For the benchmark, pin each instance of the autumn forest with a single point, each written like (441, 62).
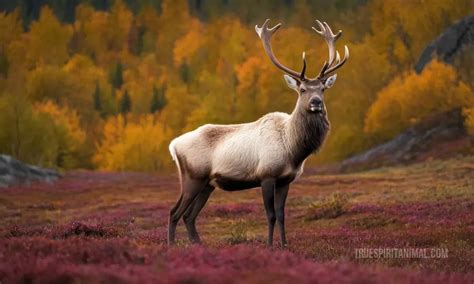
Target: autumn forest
(107, 84)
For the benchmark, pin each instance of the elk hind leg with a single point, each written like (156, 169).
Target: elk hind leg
(190, 191)
(193, 211)
(172, 225)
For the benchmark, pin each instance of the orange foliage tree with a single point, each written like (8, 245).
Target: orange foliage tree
(411, 97)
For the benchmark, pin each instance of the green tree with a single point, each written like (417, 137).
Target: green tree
(158, 100)
(97, 99)
(125, 104)
(185, 73)
(135, 38)
(116, 76)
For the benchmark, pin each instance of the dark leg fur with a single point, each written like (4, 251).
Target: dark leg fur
(193, 211)
(268, 193)
(280, 199)
(190, 191)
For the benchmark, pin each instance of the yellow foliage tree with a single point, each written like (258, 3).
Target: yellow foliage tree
(10, 29)
(217, 106)
(82, 77)
(412, 97)
(21, 129)
(50, 83)
(90, 26)
(103, 35)
(141, 80)
(180, 104)
(186, 46)
(137, 146)
(248, 74)
(67, 131)
(120, 21)
(44, 134)
(48, 39)
(148, 18)
(174, 22)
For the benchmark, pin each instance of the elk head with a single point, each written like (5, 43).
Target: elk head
(310, 90)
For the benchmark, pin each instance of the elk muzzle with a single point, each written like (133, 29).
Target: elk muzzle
(316, 105)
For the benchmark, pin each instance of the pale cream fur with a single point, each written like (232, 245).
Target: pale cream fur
(253, 151)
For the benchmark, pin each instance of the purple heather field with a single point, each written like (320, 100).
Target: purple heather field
(111, 227)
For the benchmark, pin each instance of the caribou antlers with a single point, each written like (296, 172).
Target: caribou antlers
(330, 66)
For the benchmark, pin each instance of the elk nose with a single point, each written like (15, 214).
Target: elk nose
(316, 105)
(316, 102)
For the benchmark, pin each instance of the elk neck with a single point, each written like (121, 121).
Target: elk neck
(305, 133)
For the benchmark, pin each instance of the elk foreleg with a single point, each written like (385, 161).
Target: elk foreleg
(268, 193)
(281, 193)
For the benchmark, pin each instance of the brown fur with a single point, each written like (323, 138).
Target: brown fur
(215, 133)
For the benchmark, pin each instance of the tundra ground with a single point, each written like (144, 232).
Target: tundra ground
(111, 227)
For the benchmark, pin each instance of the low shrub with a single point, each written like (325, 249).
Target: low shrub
(330, 207)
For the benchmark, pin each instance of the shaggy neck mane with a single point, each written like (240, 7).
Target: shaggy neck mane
(305, 133)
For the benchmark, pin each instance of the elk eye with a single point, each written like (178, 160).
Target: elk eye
(303, 90)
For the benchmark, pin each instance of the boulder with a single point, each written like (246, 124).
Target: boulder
(440, 136)
(13, 172)
(454, 39)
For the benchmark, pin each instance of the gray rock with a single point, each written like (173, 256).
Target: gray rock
(428, 138)
(4, 170)
(453, 40)
(13, 172)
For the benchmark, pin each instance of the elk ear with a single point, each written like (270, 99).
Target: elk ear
(330, 81)
(291, 82)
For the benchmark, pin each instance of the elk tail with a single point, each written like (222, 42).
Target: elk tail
(174, 156)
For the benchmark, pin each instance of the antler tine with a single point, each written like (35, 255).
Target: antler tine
(339, 64)
(334, 61)
(338, 57)
(330, 39)
(321, 32)
(335, 36)
(302, 77)
(265, 35)
(323, 70)
(265, 28)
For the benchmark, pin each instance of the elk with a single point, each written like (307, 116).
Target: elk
(267, 153)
